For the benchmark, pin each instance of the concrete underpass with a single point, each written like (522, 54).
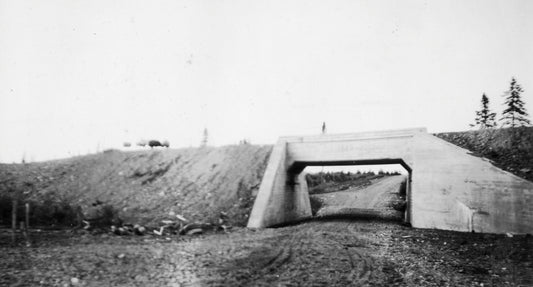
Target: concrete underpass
(447, 187)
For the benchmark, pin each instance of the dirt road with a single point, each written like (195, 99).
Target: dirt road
(316, 253)
(371, 200)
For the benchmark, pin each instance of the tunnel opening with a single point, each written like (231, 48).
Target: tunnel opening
(357, 189)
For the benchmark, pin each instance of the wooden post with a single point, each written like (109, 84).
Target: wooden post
(27, 224)
(23, 229)
(27, 216)
(14, 221)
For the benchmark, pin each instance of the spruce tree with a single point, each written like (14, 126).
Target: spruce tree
(515, 114)
(484, 118)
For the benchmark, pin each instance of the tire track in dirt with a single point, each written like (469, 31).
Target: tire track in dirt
(317, 253)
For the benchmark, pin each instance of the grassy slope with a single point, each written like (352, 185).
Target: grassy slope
(511, 150)
(144, 186)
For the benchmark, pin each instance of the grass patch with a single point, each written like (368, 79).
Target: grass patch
(316, 204)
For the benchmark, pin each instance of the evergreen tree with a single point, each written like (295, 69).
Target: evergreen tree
(515, 114)
(484, 118)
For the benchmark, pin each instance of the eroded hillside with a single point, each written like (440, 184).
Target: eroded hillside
(145, 186)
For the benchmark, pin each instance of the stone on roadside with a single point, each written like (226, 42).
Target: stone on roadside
(225, 227)
(195, 231)
(139, 230)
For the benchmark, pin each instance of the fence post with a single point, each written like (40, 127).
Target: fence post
(23, 229)
(14, 221)
(27, 205)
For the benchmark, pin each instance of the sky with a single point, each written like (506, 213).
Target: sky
(78, 77)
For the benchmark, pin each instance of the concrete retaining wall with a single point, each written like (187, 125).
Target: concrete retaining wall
(455, 190)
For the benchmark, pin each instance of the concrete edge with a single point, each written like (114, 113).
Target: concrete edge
(277, 157)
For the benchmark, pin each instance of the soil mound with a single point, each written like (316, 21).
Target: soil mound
(141, 186)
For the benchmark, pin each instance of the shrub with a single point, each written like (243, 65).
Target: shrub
(403, 188)
(109, 216)
(399, 205)
(5, 209)
(316, 204)
(43, 213)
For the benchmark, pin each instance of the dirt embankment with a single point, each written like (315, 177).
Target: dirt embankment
(509, 149)
(144, 186)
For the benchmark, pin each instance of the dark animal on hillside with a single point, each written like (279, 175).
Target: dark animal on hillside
(154, 143)
(165, 144)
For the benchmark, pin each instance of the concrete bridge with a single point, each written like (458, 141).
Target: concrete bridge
(448, 188)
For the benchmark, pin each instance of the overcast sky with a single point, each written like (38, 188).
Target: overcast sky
(78, 75)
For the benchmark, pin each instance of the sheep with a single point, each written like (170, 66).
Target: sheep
(154, 143)
(142, 143)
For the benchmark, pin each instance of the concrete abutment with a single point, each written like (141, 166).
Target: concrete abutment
(447, 187)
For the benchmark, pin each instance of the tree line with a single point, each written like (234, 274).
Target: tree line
(514, 115)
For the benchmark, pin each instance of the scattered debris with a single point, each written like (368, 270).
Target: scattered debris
(139, 230)
(87, 224)
(195, 231)
(160, 232)
(181, 218)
